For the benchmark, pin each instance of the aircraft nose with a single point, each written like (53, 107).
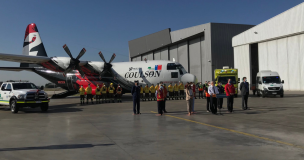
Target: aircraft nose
(188, 78)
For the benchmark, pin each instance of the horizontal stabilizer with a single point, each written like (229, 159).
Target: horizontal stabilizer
(23, 58)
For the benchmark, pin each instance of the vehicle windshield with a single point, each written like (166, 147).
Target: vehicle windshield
(224, 80)
(272, 79)
(17, 86)
(181, 69)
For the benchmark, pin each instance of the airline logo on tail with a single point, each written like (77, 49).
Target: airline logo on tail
(32, 44)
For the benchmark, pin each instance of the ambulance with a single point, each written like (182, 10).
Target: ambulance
(222, 75)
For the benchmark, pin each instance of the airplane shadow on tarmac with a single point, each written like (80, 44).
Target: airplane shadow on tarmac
(64, 146)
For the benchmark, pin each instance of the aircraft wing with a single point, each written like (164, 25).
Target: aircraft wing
(23, 58)
(17, 69)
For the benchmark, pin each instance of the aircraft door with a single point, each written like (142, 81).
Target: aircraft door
(69, 82)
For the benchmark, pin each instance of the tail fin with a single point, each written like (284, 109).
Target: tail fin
(32, 44)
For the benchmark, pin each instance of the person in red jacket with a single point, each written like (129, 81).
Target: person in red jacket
(230, 90)
(160, 92)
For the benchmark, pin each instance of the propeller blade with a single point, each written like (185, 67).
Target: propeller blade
(102, 57)
(81, 53)
(112, 58)
(80, 71)
(67, 50)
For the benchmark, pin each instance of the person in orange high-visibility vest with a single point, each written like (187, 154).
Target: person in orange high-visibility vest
(118, 93)
(160, 94)
(207, 96)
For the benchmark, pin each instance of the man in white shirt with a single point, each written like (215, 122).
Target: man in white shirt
(213, 91)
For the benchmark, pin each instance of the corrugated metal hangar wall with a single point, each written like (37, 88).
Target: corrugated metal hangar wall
(200, 49)
(278, 45)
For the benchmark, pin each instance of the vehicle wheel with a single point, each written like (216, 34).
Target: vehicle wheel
(44, 107)
(282, 95)
(14, 107)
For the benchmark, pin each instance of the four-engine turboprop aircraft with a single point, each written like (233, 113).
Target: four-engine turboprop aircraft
(69, 72)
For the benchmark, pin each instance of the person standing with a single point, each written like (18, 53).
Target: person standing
(244, 87)
(207, 96)
(160, 99)
(213, 91)
(205, 85)
(181, 90)
(200, 90)
(221, 90)
(165, 97)
(152, 90)
(141, 92)
(189, 97)
(230, 90)
(193, 99)
(89, 94)
(81, 92)
(146, 90)
(104, 94)
(175, 88)
(98, 94)
(118, 93)
(111, 90)
(170, 89)
(136, 98)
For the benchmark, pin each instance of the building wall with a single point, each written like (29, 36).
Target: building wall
(285, 24)
(285, 55)
(242, 61)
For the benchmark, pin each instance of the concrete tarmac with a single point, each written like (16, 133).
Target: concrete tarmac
(272, 129)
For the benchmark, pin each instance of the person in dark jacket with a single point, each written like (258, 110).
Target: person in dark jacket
(136, 98)
(221, 90)
(244, 87)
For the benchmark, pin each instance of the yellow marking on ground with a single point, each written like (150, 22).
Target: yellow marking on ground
(235, 131)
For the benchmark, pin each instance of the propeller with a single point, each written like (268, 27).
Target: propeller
(74, 62)
(107, 65)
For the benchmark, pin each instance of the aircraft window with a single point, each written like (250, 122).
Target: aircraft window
(3, 87)
(174, 74)
(9, 86)
(171, 66)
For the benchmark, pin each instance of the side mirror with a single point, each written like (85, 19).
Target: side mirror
(42, 88)
(260, 82)
(283, 81)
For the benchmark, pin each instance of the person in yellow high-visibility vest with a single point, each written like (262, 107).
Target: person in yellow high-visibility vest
(176, 89)
(157, 86)
(152, 90)
(170, 89)
(81, 92)
(181, 90)
(141, 92)
(98, 94)
(104, 93)
(89, 94)
(118, 93)
(146, 90)
(111, 90)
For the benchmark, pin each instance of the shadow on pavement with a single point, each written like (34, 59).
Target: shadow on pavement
(64, 146)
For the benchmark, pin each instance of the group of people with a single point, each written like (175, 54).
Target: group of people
(174, 92)
(103, 94)
(214, 95)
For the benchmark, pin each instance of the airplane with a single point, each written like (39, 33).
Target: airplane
(70, 73)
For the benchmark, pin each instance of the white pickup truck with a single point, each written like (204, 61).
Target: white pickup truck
(17, 95)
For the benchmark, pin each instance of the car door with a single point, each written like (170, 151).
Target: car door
(3, 95)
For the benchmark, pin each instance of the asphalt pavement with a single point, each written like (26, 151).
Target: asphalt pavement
(271, 129)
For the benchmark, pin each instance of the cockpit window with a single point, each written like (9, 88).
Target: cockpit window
(174, 66)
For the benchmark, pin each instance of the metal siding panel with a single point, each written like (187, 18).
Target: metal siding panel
(283, 61)
(164, 54)
(287, 23)
(187, 32)
(242, 61)
(182, 54)
(150, 56)
(195, 58)
(293, 61)
(157, 55)
(263, 56)
(207, 71)
(301, 61)
(173, 53)
(272, 55)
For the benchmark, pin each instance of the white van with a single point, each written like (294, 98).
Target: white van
(269, 83)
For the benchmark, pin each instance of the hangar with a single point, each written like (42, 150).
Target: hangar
(276, 44)
(200, 49)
